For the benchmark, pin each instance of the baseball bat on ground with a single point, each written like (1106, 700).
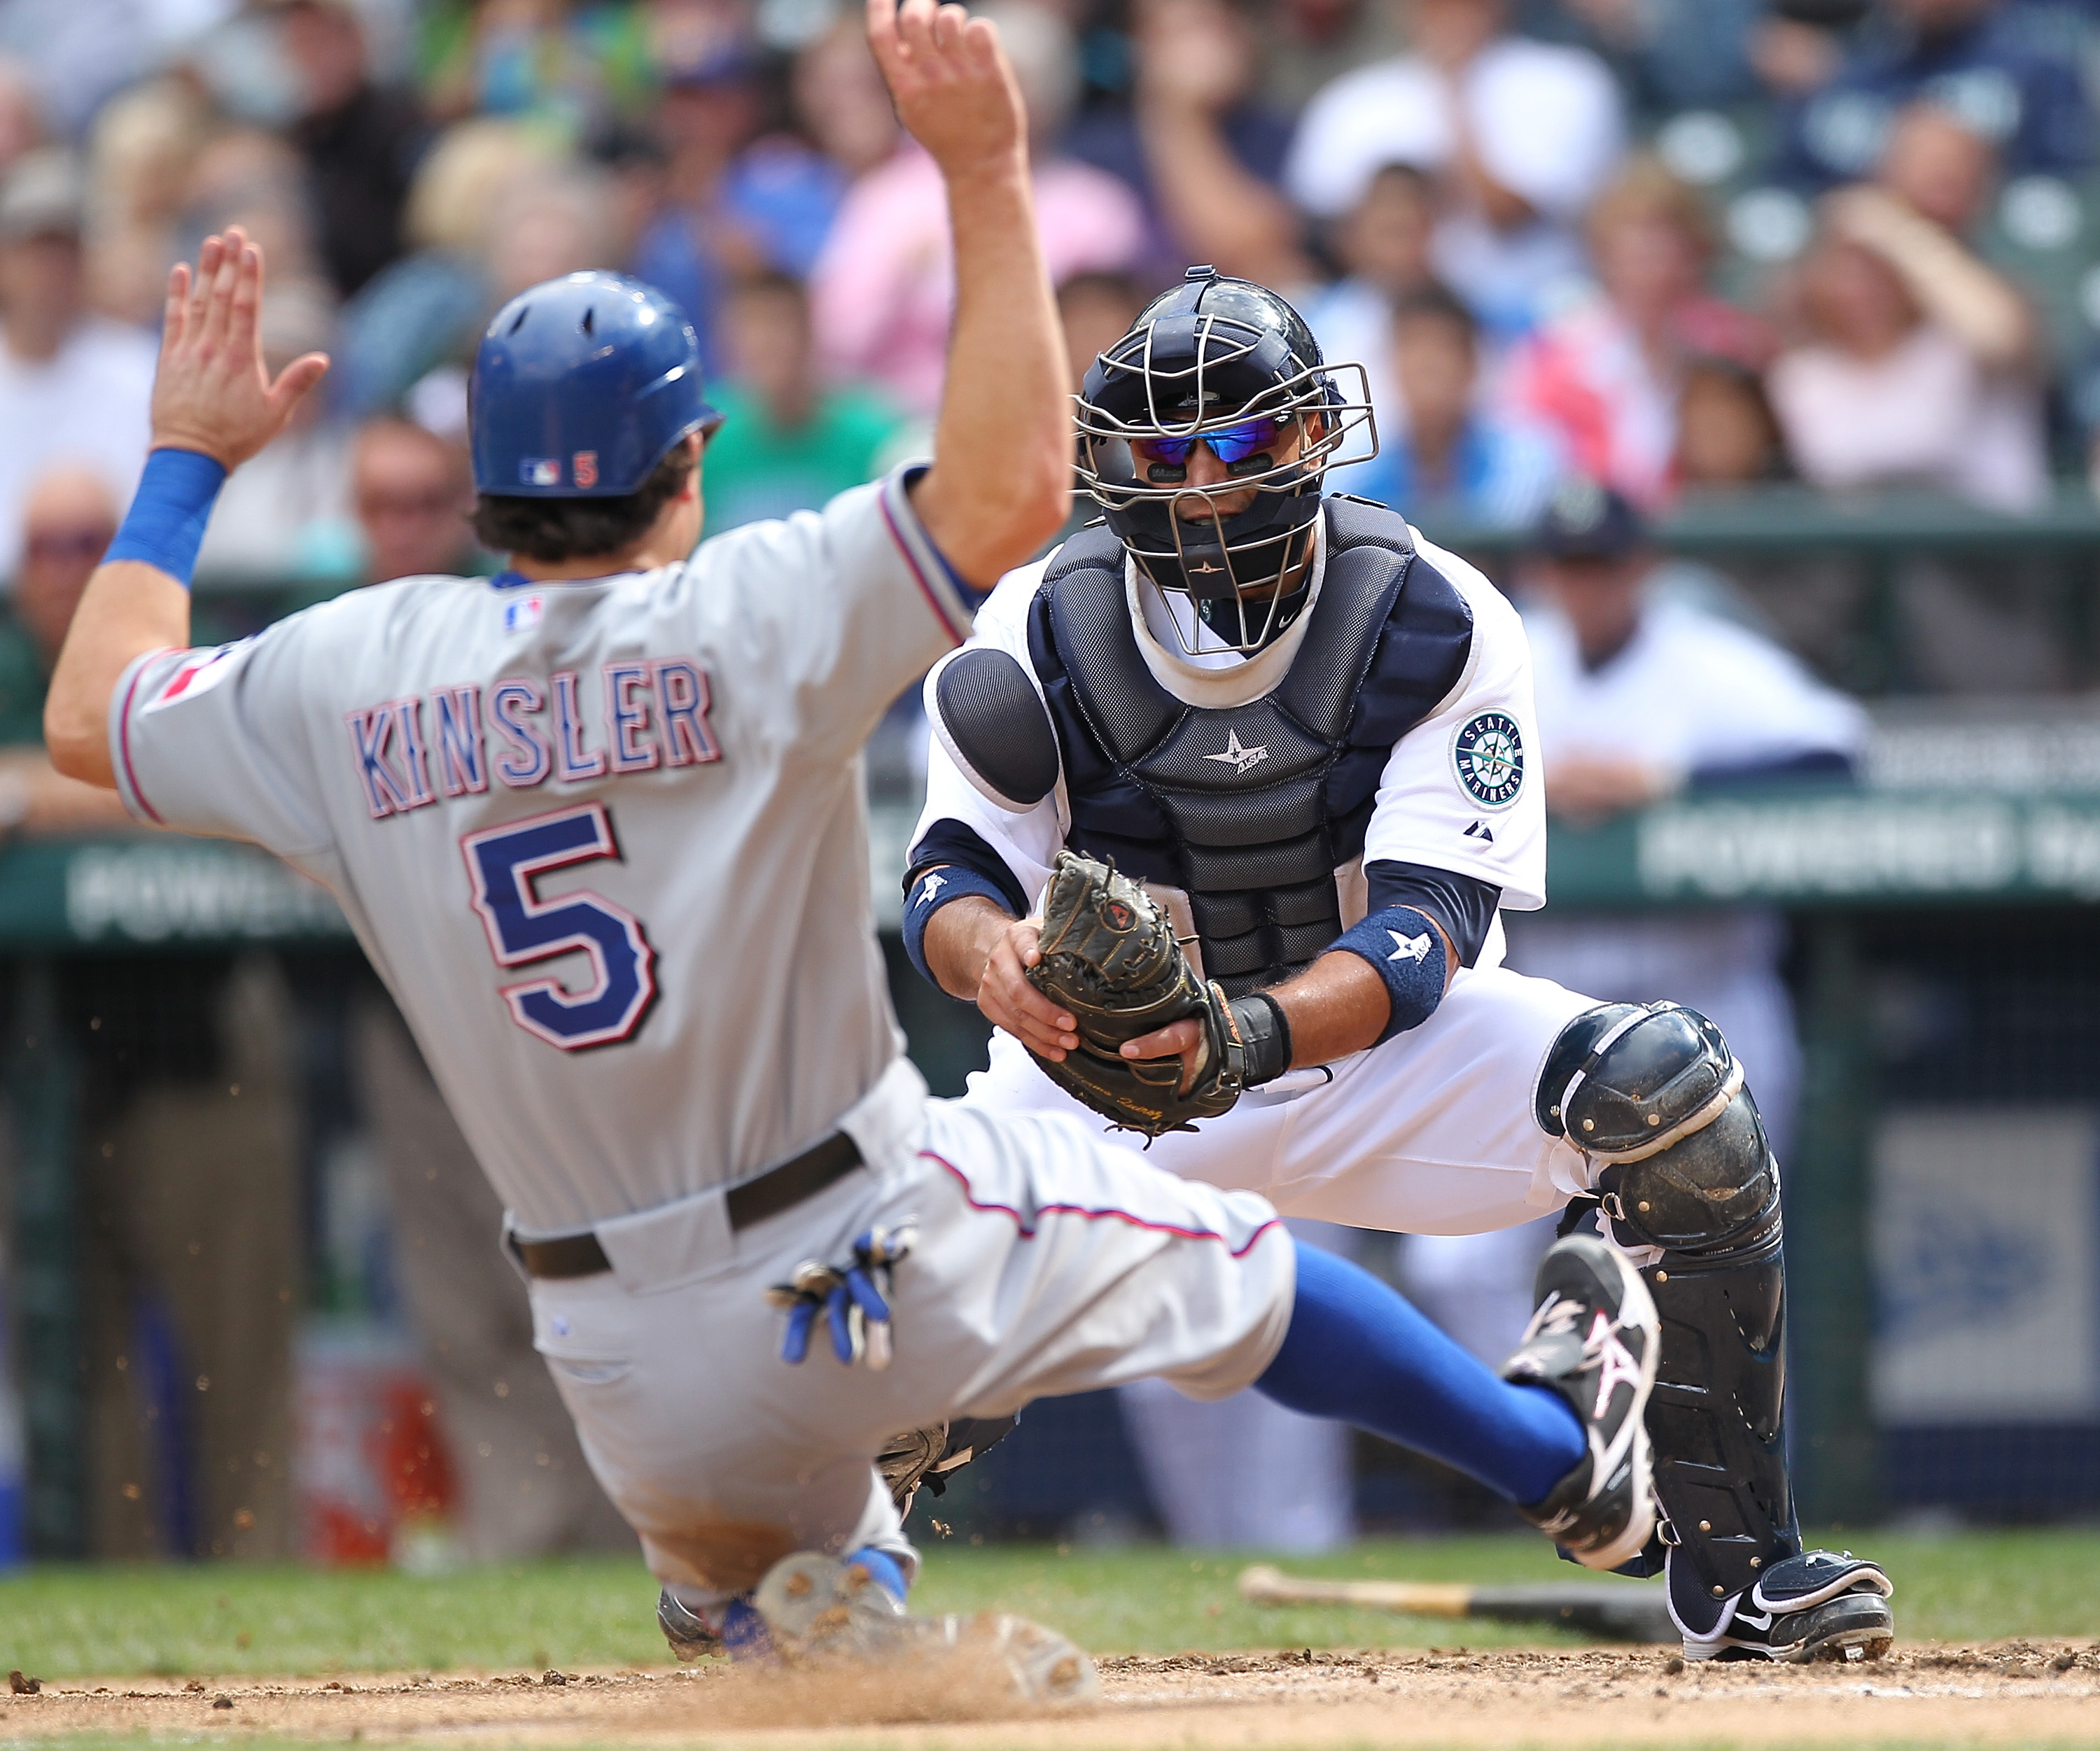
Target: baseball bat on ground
(1610, 1612)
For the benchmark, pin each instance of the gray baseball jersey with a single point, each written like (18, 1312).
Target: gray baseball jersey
(605, 840)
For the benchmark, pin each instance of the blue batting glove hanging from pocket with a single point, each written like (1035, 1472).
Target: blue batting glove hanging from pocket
(852, 1298)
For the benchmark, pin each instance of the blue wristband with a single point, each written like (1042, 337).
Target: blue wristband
(931, 888)
(164, 526)
(1406, 951)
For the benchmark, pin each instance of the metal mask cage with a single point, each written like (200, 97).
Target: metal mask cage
(1237, 545)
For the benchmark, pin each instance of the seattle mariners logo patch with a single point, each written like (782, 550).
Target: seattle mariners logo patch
(1488, 755)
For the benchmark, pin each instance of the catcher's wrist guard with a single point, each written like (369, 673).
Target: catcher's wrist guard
(1109, 957)
(1264, 1032)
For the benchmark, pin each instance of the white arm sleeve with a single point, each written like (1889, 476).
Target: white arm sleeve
(1439, 801)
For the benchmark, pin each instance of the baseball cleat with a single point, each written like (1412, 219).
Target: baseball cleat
(686, 1630)
(1820, 1605)
(1595, 1341)
(820, 1609)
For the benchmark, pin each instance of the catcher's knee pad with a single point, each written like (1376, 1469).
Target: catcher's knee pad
(1653, 1097)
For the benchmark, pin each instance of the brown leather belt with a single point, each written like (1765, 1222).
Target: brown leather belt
(782, 1188)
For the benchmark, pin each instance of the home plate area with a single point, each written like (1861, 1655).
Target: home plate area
(2005, 1693)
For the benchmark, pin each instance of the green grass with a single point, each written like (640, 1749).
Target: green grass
(59, 1622)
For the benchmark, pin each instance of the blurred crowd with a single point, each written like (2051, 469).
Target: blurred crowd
(1676, 246)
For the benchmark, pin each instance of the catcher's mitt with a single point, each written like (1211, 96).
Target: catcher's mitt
(1109, 957)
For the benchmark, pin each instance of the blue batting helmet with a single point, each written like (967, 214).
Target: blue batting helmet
(581, 387)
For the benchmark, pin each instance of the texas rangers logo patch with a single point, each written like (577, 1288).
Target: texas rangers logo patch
(1489, 756)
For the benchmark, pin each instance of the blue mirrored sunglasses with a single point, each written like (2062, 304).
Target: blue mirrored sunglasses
(1230, 444)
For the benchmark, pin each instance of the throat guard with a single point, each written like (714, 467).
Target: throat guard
(1249, 809)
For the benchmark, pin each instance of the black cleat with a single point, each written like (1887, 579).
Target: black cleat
(1820, 1605)
(1594, 1340)
(686, 1630)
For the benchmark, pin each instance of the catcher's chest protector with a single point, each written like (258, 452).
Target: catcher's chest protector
(1249, 810)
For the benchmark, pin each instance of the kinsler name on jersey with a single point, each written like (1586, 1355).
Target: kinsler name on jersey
(523, 730)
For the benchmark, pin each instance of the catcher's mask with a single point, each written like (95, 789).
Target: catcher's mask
(1229, 364)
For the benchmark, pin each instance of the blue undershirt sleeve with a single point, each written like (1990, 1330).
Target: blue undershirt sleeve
(1463, 906)
(952, 859)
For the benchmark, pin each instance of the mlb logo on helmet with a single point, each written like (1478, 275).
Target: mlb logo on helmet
(584, 470)
(540, 471)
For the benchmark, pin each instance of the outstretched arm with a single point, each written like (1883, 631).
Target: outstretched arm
(214, 405)
(1000, 483)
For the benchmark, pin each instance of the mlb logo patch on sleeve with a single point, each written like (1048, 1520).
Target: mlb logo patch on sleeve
(540, 471)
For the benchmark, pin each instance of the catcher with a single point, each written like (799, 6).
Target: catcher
(1309, 733)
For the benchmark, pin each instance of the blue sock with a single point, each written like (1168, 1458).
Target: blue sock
(743, 1631)
(1359, 1352)
(887, 1572)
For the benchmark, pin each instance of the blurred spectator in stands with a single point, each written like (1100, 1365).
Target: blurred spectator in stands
(360, 142)
(283, 516)
(1727, 435)
(787, 442)
(734, 206)
(1204, 155)
(885, 283)
(1800, 45)
(411, 491)
(2006, 67)
(839, 100)
(1097, 310)
(1604, 372)
(1919, 368)
(1307, 44)
(73, 387)
(144, 143)
(489, 203)
(566, 68)
(78, 52)
(21, 115)
(68, 522)
(1448, 460)
(525, 1489)
(250, 176)
(1522, 135)
(634, 170)
(1673, 55)
(1639, 696)
(1382, 244)
(1939, 166)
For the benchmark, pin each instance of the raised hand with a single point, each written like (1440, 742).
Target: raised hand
(951, 80)
(213, 392)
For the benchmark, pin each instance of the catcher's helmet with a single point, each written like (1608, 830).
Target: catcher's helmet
(581, 386)
(1227, 362)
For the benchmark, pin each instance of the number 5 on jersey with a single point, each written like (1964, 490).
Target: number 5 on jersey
(504, 865)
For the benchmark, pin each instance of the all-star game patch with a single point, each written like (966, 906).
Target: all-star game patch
(1488, 755)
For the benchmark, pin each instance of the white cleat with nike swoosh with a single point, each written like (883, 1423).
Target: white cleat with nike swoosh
(1594, 1340)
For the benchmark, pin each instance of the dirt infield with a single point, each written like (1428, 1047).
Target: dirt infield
(2020, 1692)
